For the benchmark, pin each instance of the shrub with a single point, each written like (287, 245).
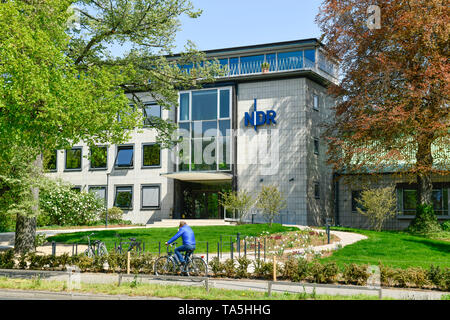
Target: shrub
(7, 221)
(7, 259)
(425, 221)
(229, 268)
(60, 205)
(290, 269)
(356, 274)
(217, 267)
(114, 214)
(446, 225)
(387, 275)
(263, 269)
(242, 269)
(324, 273)
(439, 277)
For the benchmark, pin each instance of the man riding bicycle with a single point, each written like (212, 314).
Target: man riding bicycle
(186, 233)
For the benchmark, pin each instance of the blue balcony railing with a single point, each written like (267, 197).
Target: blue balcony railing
(278, 62)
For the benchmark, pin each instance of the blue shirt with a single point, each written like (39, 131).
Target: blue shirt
(186, 234)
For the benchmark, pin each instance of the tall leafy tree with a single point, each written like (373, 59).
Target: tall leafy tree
(61, 85)
(393, 111)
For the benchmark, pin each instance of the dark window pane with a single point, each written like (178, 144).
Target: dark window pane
(124, 196)
(151, 111)
(316, 146)
(409, 201)
(99, 157)
(224, 153)
(234, 66)
(50, 160)
(184, 106)
(317, 190)
(290, 60)
(225, 103)
(73, 158)
(151, 155)
(150, 197)
(76, 189)
(271, 58)
(204, 105)
(224, 127)
(124, 157)
(203, 156)
(204, 129)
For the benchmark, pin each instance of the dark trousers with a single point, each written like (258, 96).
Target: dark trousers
(183, 248)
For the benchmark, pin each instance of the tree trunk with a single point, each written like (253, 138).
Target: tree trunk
(424, 160)
(26, 224)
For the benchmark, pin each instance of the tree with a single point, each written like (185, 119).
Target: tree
(392, 112)
(377, 205)
(270, 201)
(238, 201)
(60, 86)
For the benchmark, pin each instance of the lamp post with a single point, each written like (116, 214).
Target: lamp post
(106, 195)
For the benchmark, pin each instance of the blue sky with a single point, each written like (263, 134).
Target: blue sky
(230, 23)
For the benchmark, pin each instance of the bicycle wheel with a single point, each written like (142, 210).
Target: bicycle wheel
(164, 266)
(197, 267)
(102, 251)
(89, 252)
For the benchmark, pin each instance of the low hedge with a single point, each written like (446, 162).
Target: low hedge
(292, 270)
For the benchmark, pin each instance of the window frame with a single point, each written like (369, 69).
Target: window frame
(150, 103)
(81, 160)
(126, 146)
(142, 155)
(316, 98)
(316, 188)
(90, 159)
(106, 191)
(316, 144)
(154, 185)
(56, 163)
(117, 186)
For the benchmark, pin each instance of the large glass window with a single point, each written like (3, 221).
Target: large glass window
(150, 196)
(124, 197)
(201, 149)
(407, 201)
(124, 158)
(73, 159)
(204, 105)
(99, 157)
(184, 106)
(151, 111)
(251, 64)
(151, 155)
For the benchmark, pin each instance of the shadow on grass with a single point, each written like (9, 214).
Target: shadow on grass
(432, 245)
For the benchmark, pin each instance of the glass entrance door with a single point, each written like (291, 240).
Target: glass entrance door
(206, 205)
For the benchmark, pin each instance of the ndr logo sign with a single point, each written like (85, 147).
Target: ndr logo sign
(258, 118)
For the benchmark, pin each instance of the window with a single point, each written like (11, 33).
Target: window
(124, 158)
(356, 194)
(151, 111)
(150, 196)
(310, 55)
(151, 155)
(316, 146)
(290, 60)
(76, 189)
(99, 157)
(204, 105)
(316, 102)
(407, 200)
(316, 190)
(100, 192)
(201, 148)
(50, 162)
(124, 197)
(73, 159)
(251, 64)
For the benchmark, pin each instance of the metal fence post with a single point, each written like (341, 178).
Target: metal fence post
(259, 250)
(238, 243)
(245, 248)
(207, 252)
(53, 248)
(221, 248)
(231, 248)
(76, 248)
(159, 249)
(218, 250)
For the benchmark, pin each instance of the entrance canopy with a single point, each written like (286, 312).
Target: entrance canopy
(199, 176)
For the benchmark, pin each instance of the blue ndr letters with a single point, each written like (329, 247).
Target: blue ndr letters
(259, 118)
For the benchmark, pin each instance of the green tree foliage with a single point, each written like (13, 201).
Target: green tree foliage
(240, 202)
(377, 205)
(270, 201)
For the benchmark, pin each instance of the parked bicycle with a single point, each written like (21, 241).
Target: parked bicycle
(95, 247)
(133, 244)
(169, 264)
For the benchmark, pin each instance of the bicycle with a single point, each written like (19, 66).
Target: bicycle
(132, 245)
(95, 247)
(169, 264)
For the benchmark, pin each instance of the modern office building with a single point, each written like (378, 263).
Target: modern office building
(251, 127)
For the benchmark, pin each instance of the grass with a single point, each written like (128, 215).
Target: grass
(152, 236)
(393, 248)
(169, 291)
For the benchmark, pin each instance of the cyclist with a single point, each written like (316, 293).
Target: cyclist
(186, 233)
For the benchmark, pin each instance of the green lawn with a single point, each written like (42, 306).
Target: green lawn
(393, 248)
(152, 236)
